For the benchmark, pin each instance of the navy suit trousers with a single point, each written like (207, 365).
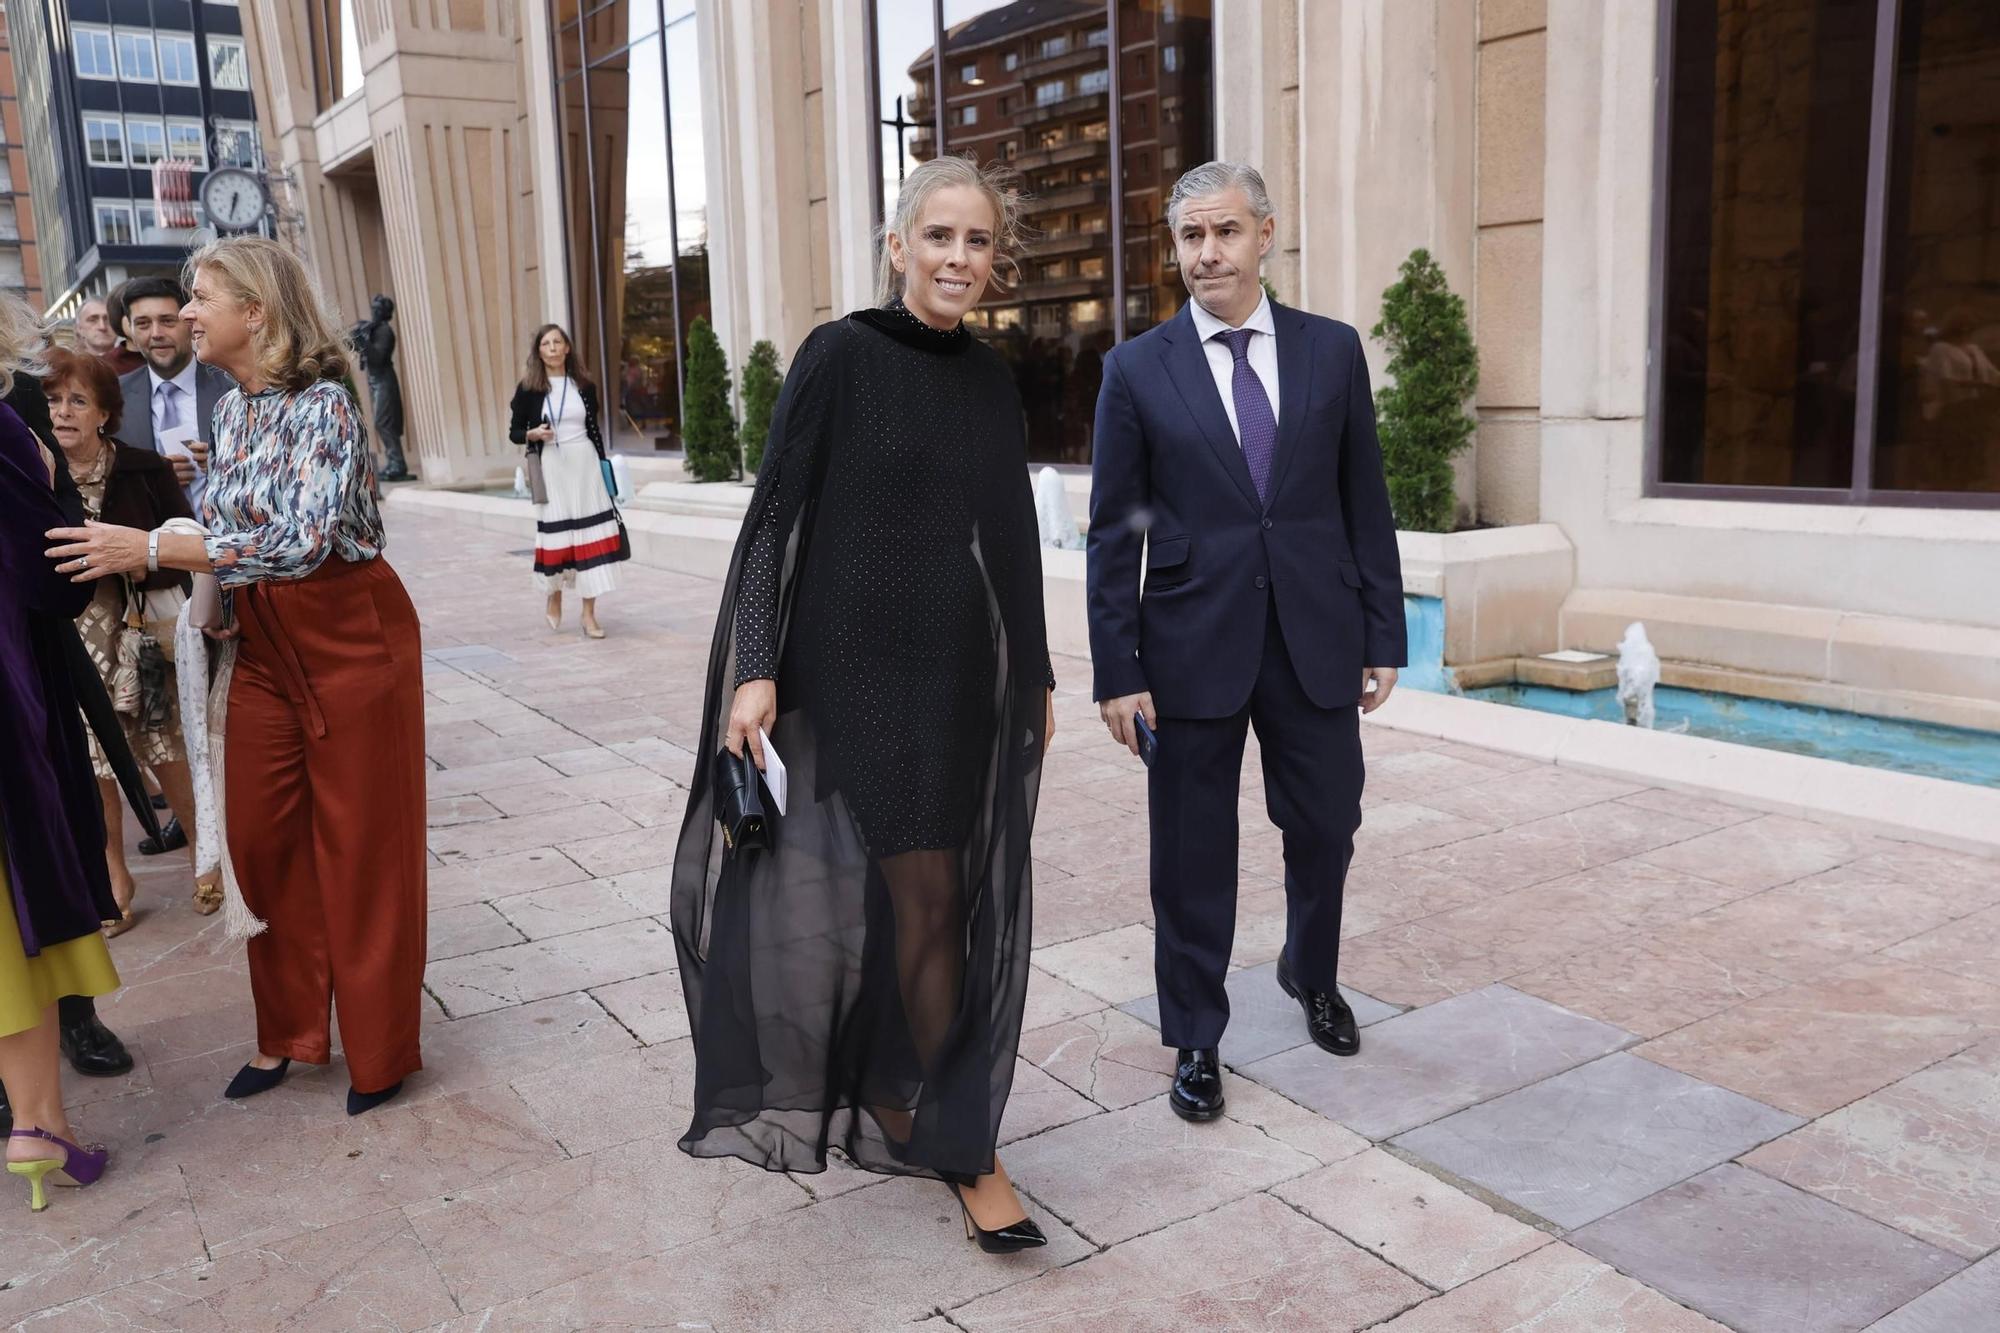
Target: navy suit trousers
(1312, 791)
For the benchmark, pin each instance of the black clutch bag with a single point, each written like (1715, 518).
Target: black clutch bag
(742, 805)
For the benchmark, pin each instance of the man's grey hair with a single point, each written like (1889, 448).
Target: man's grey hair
(1214, 178)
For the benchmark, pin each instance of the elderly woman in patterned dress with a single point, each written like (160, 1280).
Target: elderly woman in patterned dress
(324, 752)
(134, 487)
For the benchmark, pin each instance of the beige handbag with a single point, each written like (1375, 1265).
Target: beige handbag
(538, 485)
(205, 602)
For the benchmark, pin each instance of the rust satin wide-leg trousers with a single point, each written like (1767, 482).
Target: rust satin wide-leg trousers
(325, 788)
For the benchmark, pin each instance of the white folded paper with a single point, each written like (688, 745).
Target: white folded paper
(774, 770)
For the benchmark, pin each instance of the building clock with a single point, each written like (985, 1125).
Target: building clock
(233, 199)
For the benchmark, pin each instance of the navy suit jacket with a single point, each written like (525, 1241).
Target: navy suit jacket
(1168, 476)
(210, 385)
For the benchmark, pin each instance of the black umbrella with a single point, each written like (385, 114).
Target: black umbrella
(103, 720)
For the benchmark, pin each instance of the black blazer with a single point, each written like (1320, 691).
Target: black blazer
(525, 413)
(141, 492)
(1168, 475)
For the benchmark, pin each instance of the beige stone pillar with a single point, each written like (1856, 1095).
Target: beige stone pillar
(847, 123)
(1257, 114)
(1386, 152)
(760, 142)
(1507, 296)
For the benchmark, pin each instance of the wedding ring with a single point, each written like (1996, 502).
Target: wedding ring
(83, 562)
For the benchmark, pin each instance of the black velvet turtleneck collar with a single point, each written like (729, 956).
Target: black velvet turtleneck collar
(896, 320)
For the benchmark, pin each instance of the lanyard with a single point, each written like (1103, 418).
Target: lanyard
(561, 405)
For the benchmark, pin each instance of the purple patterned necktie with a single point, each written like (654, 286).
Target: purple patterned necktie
(1256, 425)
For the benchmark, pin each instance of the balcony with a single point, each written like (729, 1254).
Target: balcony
(1082, 150)
(1068, 197)
(1062, 289)
(1077, 57)
(1068, 108)
(1056, 244)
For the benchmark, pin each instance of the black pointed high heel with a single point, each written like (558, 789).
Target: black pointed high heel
(360, 1103)
(1010, 1239)
(250, 1080)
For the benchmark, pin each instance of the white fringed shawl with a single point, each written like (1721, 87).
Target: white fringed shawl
(204, 724)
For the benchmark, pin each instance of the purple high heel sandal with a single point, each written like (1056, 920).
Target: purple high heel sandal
(78, 1166)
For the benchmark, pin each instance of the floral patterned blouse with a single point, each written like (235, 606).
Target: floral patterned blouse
(290, 484)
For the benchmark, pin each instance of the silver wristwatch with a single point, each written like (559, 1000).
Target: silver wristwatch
(153, 551)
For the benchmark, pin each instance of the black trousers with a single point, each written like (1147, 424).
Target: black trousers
(1312, 791)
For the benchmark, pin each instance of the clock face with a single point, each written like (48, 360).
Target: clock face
(233, 200)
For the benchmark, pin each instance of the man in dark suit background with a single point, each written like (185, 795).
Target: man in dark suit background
(1235, 445)
(172, 394)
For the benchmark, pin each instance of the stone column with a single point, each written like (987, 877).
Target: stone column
(1597, 243)
(1507, 298)
(759, 141)
(1257, 114)
(443, 115)
(1386, 152)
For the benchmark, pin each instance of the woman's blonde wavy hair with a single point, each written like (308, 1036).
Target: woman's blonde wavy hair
(299, 344)
(1000, 184)
(22, 341)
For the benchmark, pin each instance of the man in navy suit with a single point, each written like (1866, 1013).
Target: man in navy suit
(1235, 449)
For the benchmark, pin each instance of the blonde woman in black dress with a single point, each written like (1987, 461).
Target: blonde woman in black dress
(859, 986)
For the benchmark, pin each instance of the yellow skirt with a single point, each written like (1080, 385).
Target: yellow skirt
(28, 986)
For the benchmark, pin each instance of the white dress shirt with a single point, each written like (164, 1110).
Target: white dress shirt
(185, 382)
(1263, 356)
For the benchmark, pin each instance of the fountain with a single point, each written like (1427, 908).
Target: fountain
(1638, 676)
(1052, 516)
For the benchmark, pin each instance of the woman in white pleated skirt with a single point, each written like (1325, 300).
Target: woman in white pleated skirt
(579, 540)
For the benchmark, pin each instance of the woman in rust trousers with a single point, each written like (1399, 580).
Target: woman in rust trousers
(324, 748)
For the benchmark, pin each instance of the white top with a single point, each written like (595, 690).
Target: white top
(1263, 356)
(187, 404)
(564, 407)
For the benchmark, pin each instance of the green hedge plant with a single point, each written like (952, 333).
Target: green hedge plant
(708, 433)
(762, 378)
(1420, 415)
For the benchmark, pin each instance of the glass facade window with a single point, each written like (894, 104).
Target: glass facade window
(104, 141)
(1938, 416)
(1817, 339)
(146, 140)
(114, 221)
(628, 95)
(187, 143)
(94, 59)
(1052, 117)
(227, 67)
(235, 144)
(177, 60)
(135, 57)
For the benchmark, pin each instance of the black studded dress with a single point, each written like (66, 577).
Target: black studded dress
(859, 987)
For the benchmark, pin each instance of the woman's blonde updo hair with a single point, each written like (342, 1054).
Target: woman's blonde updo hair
(299, 344)
(22, 341)
(1000, 184)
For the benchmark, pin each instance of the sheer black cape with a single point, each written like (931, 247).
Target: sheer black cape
(889, 567)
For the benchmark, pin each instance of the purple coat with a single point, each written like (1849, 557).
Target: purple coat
(48, 796)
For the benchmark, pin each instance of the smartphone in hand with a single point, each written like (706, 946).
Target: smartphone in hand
(1149, 743)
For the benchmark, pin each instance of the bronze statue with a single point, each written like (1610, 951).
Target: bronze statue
(376, 342)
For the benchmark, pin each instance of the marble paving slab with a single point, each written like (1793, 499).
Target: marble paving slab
(1585, 1143)
(1763, 1257)
(1431, 1062)
(1967, 1301)
(1922, 1155)
(1263, 1020)
(1240, 1266)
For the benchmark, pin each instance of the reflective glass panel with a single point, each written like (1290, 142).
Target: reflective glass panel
(1939, 423)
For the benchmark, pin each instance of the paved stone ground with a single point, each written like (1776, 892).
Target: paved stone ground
(1634, 1061)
